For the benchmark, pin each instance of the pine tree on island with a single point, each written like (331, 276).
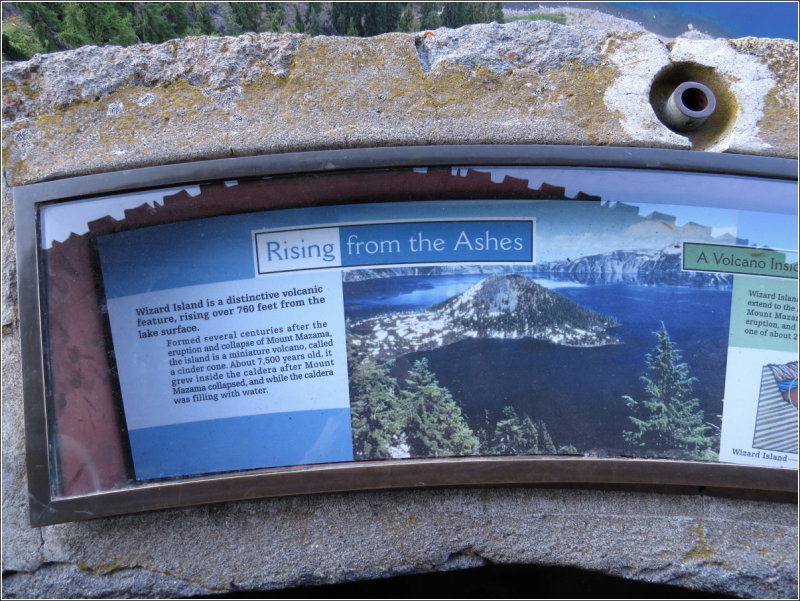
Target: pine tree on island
(513, 436)
(521, 436)
(377, 415)
(669, 420)
(436, 427)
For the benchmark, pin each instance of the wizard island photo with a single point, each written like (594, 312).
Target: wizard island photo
(505, 306)
(453, 362)
(605, 346)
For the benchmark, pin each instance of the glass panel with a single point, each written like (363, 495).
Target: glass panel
(420, 313)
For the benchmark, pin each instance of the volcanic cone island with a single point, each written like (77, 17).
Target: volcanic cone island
(500, 307)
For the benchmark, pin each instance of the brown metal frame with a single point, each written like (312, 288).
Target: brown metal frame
(653, 475)
(630, 474)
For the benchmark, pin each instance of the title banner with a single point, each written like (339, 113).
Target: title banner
(395, 243)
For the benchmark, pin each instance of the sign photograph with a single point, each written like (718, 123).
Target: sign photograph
(231, 326)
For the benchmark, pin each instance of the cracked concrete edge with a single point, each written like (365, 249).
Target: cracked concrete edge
(638, 59)
(537, 45)
(56, 80)
(68, 581)
(98, 109)
(48, 82)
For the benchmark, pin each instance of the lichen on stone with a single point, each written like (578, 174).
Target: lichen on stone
(91, 110)
(779, 123)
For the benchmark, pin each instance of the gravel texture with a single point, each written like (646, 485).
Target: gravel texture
(536, 45)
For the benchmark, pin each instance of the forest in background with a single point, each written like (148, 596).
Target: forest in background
(39, 27)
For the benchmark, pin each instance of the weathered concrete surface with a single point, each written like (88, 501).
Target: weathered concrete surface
(99, 109)
(93, 110)
(702, 543)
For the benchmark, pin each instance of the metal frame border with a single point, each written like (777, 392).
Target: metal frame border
(654, 475)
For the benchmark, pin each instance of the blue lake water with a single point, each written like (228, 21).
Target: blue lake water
(721, 19)
(576, 391)
(730, 19)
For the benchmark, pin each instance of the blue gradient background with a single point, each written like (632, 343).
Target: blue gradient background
(240, 443)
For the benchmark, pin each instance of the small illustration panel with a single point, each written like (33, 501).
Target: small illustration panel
(776, 424)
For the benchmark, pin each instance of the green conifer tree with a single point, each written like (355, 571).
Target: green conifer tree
(339, 18)
(495, 12)
(232, 24)
(45, 19)
(299, 25)
(546, 444)
(312, 19)
(407, 22)
(429, 17)
(454, 14)
(372, 18)
(376, 411)
(530, 435)
(248, 15)
(509, 437)
(12, 52)
(19, 42)
(97, 23)
(669, 419)
(457, 14)
(152, 22)
(436, 426)
(276, 13)
(177, 13)
(201, 23)
(520, 436)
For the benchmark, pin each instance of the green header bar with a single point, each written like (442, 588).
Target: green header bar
(744, 260)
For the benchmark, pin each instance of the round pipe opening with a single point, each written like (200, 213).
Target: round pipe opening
(689, 105)
(694, 99)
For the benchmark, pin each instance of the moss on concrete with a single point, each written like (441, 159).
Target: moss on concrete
(343, 92)
(779, 123)
(105, 568)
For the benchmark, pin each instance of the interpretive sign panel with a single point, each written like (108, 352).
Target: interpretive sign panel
(499, 311)
(220, 374)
